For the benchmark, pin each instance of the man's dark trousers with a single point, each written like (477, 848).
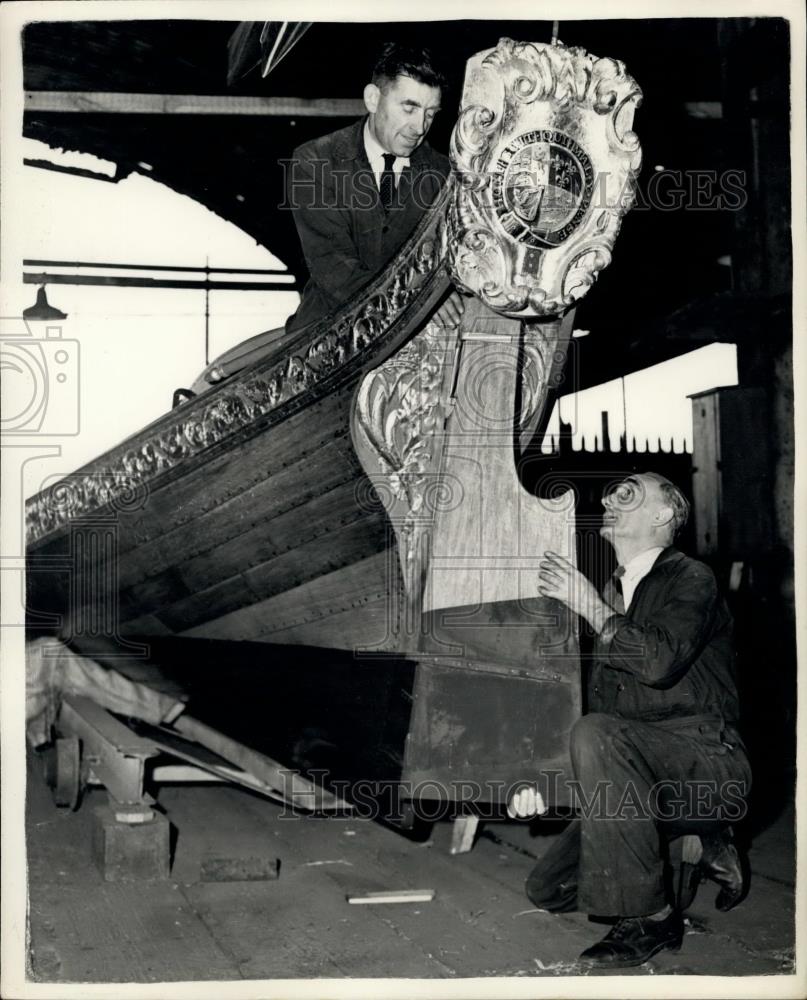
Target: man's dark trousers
(634, 781)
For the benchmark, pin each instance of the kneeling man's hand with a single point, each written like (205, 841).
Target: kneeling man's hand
(526, 803)
(558, 578)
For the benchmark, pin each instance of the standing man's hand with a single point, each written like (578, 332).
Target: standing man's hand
(559, 579)
(449, 314)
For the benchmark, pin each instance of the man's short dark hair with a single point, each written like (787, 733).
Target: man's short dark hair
(405, 60)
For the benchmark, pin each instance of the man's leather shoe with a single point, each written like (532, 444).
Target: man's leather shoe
(722, 864)
(633, 940)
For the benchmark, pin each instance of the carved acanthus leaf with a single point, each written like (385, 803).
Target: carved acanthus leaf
(399, 409)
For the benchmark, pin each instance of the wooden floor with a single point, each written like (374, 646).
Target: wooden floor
(300, 925)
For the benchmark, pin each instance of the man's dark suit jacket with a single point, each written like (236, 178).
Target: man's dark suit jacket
(670, 658)
(346, 235)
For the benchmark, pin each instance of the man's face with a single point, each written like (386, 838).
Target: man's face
(402, 113)
(634, 508)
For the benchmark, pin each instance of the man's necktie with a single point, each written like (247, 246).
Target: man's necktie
(386, 188)
(612, 593)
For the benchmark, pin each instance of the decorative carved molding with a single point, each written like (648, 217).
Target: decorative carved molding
(546, 162)
(401, 408)
(264, 391)
(536, 364)
(545, 347)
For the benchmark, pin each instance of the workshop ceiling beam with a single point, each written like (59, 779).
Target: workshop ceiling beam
(127, 281)
(78, 101)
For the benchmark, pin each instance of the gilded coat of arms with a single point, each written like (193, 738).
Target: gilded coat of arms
(545, 173)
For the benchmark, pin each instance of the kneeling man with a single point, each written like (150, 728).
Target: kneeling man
(659, 747)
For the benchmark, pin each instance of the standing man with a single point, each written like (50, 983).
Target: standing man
(659, 742)
(358, 193)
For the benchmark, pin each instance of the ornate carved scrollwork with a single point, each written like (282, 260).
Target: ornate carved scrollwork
(401, 408)
(535, 368)
(546, 162)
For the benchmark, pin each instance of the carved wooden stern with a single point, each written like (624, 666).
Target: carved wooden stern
(356, 493)
(439, 428)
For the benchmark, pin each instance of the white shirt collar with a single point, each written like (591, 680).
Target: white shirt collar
(636, 570)
(375, 156)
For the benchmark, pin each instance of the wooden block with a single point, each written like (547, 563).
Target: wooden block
(130, 852)
(463, 831)
(394, 896)
(239, 869)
